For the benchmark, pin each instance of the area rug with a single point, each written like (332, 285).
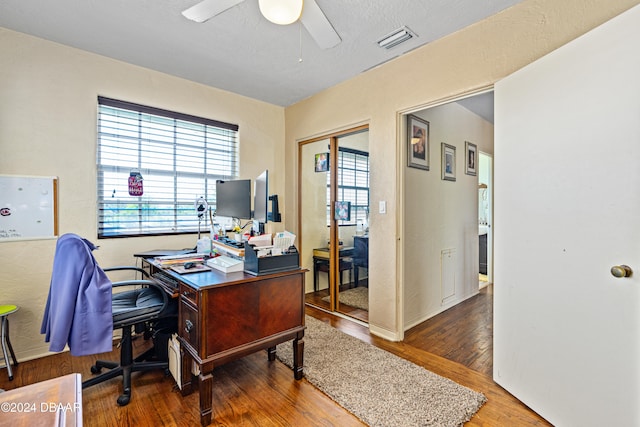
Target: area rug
(378, 387)
(356, 297)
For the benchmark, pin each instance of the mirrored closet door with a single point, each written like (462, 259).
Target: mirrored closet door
(334, 221)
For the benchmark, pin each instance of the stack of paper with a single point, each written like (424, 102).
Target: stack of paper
(284, 240)
(170, 260)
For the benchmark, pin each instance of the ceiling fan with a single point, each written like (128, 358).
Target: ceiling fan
(281, 12)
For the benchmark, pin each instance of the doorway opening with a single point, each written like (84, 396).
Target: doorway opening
(441, 202)
(485, 235)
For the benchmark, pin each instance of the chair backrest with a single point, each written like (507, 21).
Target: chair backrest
(361, 251)
(78, 310)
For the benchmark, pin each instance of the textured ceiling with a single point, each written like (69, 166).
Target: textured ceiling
(239, 50)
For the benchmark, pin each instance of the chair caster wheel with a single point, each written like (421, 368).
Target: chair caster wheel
(95, 369)
(124, 399)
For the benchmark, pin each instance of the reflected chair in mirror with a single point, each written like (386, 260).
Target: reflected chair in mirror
(83, 311)
(360, 257)
(322, 265)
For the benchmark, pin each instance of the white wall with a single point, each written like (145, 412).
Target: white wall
(442, 215)
(48, 104)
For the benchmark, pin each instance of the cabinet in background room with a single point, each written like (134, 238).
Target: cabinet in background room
(483, 254)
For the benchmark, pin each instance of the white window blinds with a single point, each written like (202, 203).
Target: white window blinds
(179, 158)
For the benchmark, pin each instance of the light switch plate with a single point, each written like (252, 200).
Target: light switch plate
(382, 207)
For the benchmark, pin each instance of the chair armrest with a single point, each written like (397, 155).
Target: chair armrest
(134, 283)
(127, 267)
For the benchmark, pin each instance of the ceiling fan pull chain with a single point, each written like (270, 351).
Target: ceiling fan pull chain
(300, 27)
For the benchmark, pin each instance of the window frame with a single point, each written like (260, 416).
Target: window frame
(213, 147)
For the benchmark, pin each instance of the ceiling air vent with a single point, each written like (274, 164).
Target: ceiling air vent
(396, 37)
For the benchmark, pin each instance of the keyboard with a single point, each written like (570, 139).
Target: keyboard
(165, 279)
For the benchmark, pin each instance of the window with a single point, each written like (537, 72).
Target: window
(353, 184)
(179, 158)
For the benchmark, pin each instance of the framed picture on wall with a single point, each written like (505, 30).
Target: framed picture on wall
(322, 162)
(471, 158)
(343, 211)
(417, 142)
(448, 162)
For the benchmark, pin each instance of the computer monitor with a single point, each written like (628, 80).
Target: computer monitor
(261, 197)
(233, 198)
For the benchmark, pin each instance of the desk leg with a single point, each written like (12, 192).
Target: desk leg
(185, 372)
(271, 354)
(206, 386)
(206, 397)
(315, 276)
(298, 355)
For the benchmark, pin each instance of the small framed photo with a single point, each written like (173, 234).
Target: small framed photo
(417, 142)
(448, 162)
(343, 211)
(322, 162)
(471, 159)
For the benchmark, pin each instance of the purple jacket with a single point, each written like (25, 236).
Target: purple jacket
(78, 310)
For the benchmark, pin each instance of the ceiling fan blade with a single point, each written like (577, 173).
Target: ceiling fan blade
(318, 25)
(207, 9)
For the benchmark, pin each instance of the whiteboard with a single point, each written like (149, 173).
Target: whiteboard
(28, 207)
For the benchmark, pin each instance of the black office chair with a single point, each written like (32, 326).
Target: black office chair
(147, 308)
(360, 257)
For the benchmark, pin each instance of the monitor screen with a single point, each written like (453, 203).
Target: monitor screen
(261, 197)
(233, 198)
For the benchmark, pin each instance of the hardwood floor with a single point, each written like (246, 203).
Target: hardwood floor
(255, 392)
(463, 333)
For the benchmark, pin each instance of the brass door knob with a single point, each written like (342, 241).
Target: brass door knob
(621, 271)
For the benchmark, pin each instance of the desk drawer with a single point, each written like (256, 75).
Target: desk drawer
(189, 326)
(189, 294)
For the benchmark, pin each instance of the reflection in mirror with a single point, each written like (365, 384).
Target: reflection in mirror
(349, 211)
(353, 187)
(314, 233)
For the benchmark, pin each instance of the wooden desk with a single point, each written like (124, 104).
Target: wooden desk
(223, 317)
(55, 402)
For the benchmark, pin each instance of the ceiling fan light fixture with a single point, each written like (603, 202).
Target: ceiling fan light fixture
(281, 12)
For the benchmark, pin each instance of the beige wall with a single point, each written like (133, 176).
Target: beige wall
(48, 127)
(468, 60)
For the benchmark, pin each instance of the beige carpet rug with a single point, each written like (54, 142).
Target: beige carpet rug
(378, 387)
(355, 297)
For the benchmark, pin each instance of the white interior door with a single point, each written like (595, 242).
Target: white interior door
(567, 195)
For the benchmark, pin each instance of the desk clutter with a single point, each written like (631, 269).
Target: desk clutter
(226, 264)
(263, 254)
